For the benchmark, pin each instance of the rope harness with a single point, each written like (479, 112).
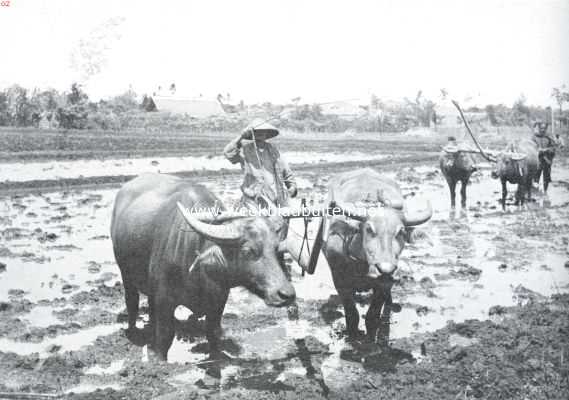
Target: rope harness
(347, 242)
(305, 235)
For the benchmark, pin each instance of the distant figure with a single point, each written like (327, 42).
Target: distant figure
(559, 141)
(546, 152)
(456, 165)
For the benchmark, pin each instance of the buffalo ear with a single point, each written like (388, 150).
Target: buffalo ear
(209, 259)
(414, 235)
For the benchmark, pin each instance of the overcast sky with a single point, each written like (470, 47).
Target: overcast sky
(261, 50)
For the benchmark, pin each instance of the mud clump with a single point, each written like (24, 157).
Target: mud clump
(14, 233)
(101, 295)
(94, 267)
(497, 310)
(518, 358)
(43, 237)
(409, 175)
(427, 283)
(34, 374)
(522, 294)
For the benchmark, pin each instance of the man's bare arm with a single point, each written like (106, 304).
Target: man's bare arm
(232, 150)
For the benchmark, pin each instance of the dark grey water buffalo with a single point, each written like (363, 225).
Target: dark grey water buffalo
(518, 164)
(177, 259)
(456, 166)
(363, 249)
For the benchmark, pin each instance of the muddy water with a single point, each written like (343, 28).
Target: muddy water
(59, 264)
(19, 172)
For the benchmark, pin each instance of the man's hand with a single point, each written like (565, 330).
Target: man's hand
(292, 190)
(246, 134)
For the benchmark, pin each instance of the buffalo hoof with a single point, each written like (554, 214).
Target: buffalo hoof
(355, 337)
(136, 336)
(396, 307)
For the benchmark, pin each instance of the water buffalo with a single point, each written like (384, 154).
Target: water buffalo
(456, 165)
(363, 245)
(166, 253)
(518, 164)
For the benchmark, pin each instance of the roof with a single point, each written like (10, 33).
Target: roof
(342, 109)
(199, 108)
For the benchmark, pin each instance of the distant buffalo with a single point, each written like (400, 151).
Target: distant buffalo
(456, 166)
(519, 164)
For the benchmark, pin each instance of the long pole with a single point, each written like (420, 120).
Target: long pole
(552, 122)
(470, 131)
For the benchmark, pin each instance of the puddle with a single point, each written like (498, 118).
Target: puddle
(70, 342)
(88, 388)
(41, 316)
(113, 368)
(20, 172)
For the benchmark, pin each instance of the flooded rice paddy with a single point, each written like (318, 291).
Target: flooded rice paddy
(63, 312)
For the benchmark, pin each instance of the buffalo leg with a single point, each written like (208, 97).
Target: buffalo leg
(504, 193)
(213, 325)
(528, 188)
(546, 177)
(538, 174)
(452, 189)
(520, 193)
(385, 320)
(163, 325)
(151, 318)
(463, 193)
(132, 298)
(351, 312)
(373, 314)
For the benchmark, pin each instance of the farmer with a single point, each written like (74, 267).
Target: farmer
(267, 175)
(546, 149)
(266, 172)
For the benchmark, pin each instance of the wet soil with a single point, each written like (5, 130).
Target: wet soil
(483, 296)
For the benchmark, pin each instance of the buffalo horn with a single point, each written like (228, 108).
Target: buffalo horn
(389, 202)
(418, 217)
(216, 233)
(352, 212)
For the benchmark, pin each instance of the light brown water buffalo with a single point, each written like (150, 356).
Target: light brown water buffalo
(519, 164)
(456, 166)
(166, 253)
(363, 249)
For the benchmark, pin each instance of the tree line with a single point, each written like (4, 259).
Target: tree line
(72, 109)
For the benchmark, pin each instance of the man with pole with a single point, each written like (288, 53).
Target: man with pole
(267, 176)
(546, 151)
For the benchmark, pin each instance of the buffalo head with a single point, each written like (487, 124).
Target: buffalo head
(384, 230)
(459, 160)
(507, 166)
(250, 246)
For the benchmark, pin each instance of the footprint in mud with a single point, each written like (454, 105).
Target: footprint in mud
(228, 346)
(301, 367)
(377, 357)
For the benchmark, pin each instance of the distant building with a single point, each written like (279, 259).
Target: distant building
(448, 116)
(343, 109)
(194, 107)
